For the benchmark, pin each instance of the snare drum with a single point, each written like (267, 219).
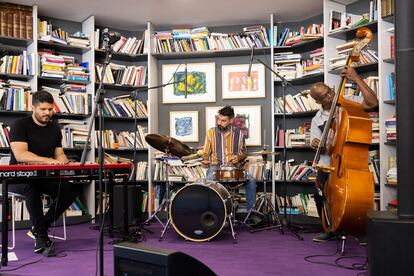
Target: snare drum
(198, 211)
(230, 175)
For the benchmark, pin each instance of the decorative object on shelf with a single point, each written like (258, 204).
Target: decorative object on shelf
(236, 84)
(184, 125)
(248, 118)
(196, 83)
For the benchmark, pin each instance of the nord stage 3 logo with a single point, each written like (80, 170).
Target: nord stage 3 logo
(10, 174)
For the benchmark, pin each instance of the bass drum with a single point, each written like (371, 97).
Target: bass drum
(198, 211)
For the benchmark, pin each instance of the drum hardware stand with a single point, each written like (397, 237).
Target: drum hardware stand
(266, 205)
(231, 217)
(166, 202)
(285, 222)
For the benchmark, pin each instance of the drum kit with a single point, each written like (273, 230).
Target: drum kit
(199, 211)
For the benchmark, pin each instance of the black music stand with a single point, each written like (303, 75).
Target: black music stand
(285, 83)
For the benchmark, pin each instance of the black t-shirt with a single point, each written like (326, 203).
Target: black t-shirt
(40, 140)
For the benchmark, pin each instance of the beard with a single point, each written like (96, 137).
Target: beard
(222, 128)
(43, 119)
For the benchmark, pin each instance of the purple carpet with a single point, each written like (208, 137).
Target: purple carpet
(262, 253)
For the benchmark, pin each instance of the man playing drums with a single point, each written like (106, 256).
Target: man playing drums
(225, 146)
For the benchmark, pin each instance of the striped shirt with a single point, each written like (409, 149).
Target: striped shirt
(219, 146)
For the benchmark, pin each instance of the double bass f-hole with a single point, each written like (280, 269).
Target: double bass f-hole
(338, 171)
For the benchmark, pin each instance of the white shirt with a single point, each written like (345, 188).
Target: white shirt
(318, 124)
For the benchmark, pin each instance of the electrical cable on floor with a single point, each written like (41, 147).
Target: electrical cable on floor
(354, 266)
(23, 265)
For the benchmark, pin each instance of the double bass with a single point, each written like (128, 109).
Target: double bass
(349, 190)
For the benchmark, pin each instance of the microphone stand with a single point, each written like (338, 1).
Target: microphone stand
(285, 83)
(98, 107)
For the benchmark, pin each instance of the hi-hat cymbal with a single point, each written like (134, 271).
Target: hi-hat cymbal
(262, 152)
(168, 145)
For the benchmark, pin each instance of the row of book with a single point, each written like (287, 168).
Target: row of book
(122, 75)
(344, 50)
(375, 127)
(291, 65)
(46, 32)
(201, 39)
(257, 169)
(62, 67)
(297, 137)
(123, 106)
(374, 165)
(300, 172)
(15, 98)
(4, 136)
(300, 102)
(113, 139)
(391, 129)
(387, 7)
(16, 21)
(391, 175)
(351, 89)
(289, 38)
(314, 65)
(178, 170)
(22, 64)
(20, 212)
(70, 102)
(126, 45)
(392, 85)
(339, 20)
(298, 204)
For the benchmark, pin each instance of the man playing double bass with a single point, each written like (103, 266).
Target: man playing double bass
(324, 96)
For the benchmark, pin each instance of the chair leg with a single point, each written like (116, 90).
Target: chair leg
(13, 223)
(63, 238)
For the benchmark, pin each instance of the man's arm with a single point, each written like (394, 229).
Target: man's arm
(242, 154)
(22, 154)
(370, 99)
(61, 156)
(207, 151)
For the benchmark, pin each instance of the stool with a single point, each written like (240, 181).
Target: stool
(14, 197)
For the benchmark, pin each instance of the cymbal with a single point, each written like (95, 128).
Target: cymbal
(168, 144)
(262, 152)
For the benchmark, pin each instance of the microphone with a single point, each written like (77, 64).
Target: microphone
(249, 71)
(110, 37)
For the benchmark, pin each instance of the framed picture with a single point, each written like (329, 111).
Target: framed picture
(237, 85)
(201, 83)
(184, 125)
(247, 118)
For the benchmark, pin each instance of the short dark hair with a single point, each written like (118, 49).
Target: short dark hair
(227, 111)
(42, 96)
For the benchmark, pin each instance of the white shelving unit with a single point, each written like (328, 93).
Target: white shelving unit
(387, 108)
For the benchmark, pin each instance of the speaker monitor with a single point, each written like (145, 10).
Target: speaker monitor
(390, 244)
(134, 204)
(137, 260)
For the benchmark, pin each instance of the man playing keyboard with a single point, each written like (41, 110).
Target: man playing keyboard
(38, 139)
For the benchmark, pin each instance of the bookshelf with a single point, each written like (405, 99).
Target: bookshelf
(296, 119)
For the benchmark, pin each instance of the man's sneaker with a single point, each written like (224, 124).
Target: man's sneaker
(323, 237)
(41, 243)
(31, 233)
